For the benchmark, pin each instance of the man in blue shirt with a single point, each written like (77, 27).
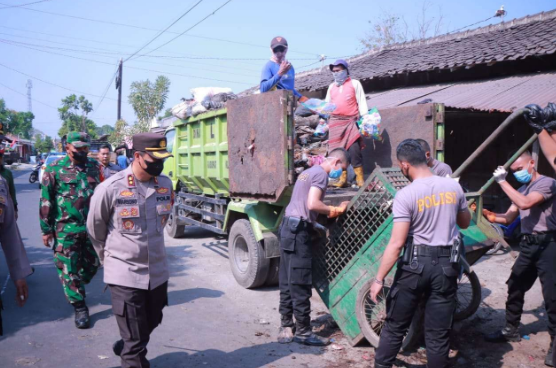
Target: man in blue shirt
(122, 160)
(278, 73)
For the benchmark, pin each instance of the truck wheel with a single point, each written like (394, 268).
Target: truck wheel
(173, 227)
(273, 272)
(247, 259)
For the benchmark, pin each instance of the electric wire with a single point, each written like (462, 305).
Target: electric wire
(153, 30)
(25, 95)
(471, 25)
(164, 30)
(105, 91)
(189, 29)
(22, 5)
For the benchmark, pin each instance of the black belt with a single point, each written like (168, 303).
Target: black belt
(539, 237)
(431, 251)
(303, 224)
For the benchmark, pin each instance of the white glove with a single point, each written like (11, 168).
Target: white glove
(500, 174)
(449, 177)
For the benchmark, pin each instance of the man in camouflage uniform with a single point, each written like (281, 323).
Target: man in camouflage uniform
(67, 187)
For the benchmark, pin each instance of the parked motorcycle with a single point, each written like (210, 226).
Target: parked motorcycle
(34, 176)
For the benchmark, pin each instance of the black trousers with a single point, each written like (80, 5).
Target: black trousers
(356, 154)
(137, 312)
(534, 260)
(295, 277)
(435, 279)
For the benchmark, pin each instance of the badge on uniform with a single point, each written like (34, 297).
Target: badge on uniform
(128, 224)
(131, 180)
(2, 199)
(126, 193)
(162, 190)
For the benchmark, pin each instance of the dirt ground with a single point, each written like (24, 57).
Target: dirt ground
(468, 346)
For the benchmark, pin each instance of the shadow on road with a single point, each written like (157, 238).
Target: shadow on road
(248, 357)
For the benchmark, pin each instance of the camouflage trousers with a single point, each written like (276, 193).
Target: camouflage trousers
(76, 262)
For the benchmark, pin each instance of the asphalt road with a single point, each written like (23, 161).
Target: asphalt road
(211, 321)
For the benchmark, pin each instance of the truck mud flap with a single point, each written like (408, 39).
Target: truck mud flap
(271, 245)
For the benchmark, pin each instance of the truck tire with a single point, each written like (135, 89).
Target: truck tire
(273, 272)
(173, 227)
(247, 258)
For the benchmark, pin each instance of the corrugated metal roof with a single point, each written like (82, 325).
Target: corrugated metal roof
(501, 94)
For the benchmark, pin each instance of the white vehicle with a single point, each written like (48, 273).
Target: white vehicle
(50, 159)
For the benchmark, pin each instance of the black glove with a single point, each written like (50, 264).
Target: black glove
(534, 117)
(549, 117)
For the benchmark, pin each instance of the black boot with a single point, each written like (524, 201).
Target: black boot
(118, 347)
(304, 335)
(508, 333)
(287, 330)
(377, 365)
(548, 360)
(81, 315)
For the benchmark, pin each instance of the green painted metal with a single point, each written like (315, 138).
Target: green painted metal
(201, 153)
(264, 217)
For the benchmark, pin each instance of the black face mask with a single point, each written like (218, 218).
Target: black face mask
(153, 168)
(80, 156)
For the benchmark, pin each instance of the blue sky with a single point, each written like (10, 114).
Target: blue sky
(93, 49)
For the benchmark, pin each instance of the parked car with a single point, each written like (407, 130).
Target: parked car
(50, 159)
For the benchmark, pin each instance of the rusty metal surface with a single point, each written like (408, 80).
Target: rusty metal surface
(258, 154)
(399, 124)
(499, 94)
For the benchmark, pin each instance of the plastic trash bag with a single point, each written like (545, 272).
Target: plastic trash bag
(370, 125)
(200, 93)
(180, 110)
(319, 106)
(322, 128)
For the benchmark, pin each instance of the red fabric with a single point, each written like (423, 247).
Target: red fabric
(345, 101)
(343, 131)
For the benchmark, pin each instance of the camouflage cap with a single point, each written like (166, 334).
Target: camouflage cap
(78, 139)
(152, 143)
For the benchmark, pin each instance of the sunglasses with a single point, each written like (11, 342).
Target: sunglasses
(279, 49)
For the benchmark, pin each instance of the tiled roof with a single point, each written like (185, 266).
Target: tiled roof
(517, 39)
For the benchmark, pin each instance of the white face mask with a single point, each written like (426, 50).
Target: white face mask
(340, 77)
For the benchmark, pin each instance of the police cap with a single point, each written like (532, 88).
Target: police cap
(152, 143)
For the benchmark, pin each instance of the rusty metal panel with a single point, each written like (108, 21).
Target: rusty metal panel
(399, 123)
(259, 145)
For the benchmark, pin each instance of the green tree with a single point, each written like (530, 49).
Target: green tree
(148, 99)
(73, 113)
(121, 131)
(167, 114)
(43, 145)
(17, 123)
(105, 129)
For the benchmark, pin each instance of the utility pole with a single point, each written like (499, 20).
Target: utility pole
(29, 85)
(119, 88)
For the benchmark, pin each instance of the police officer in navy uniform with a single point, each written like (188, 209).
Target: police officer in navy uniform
(535, 203)
(126, 225)
(427, 211)
(295, 277)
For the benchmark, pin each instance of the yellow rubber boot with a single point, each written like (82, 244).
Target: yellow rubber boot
(359, 178)
(342, 180)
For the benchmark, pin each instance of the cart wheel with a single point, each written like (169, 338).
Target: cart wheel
(247, 259)
(498, 245)
(371, 318)
(273, 272)
(468, 296)
(33, 177)
(173, 227)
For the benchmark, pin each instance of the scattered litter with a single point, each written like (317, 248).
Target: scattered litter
(102, 357)
(531, 358)
(366, 357)
(336, 347)
(27, 361)
(294, 357)
(263, 322)
(526, 337)
(259, 333)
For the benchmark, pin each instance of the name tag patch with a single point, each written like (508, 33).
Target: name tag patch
(163, 198)
(125, 201)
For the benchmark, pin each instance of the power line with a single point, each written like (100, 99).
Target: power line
(105, 91)
(190, 28)
(164, 30)
(21, 5)
(114, 44)
(129, 67)
(153, 30)
(25, 95)
(471, 25)
(53, 84)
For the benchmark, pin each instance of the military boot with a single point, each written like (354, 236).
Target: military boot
(508, 333)
(377, 365)
(81, 315)
(342, 180)
(287, 330)
(359, 178)
(118, 347)
(304, 335)
(548, 360)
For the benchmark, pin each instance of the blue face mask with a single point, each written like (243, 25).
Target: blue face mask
(523, 176)
(335, 174)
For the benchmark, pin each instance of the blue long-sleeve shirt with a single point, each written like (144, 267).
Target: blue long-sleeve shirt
(270, 79)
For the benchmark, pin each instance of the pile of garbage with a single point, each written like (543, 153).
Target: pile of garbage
(204, 99)
(311, 133)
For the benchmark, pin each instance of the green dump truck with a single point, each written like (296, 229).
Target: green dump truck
(233, 173)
